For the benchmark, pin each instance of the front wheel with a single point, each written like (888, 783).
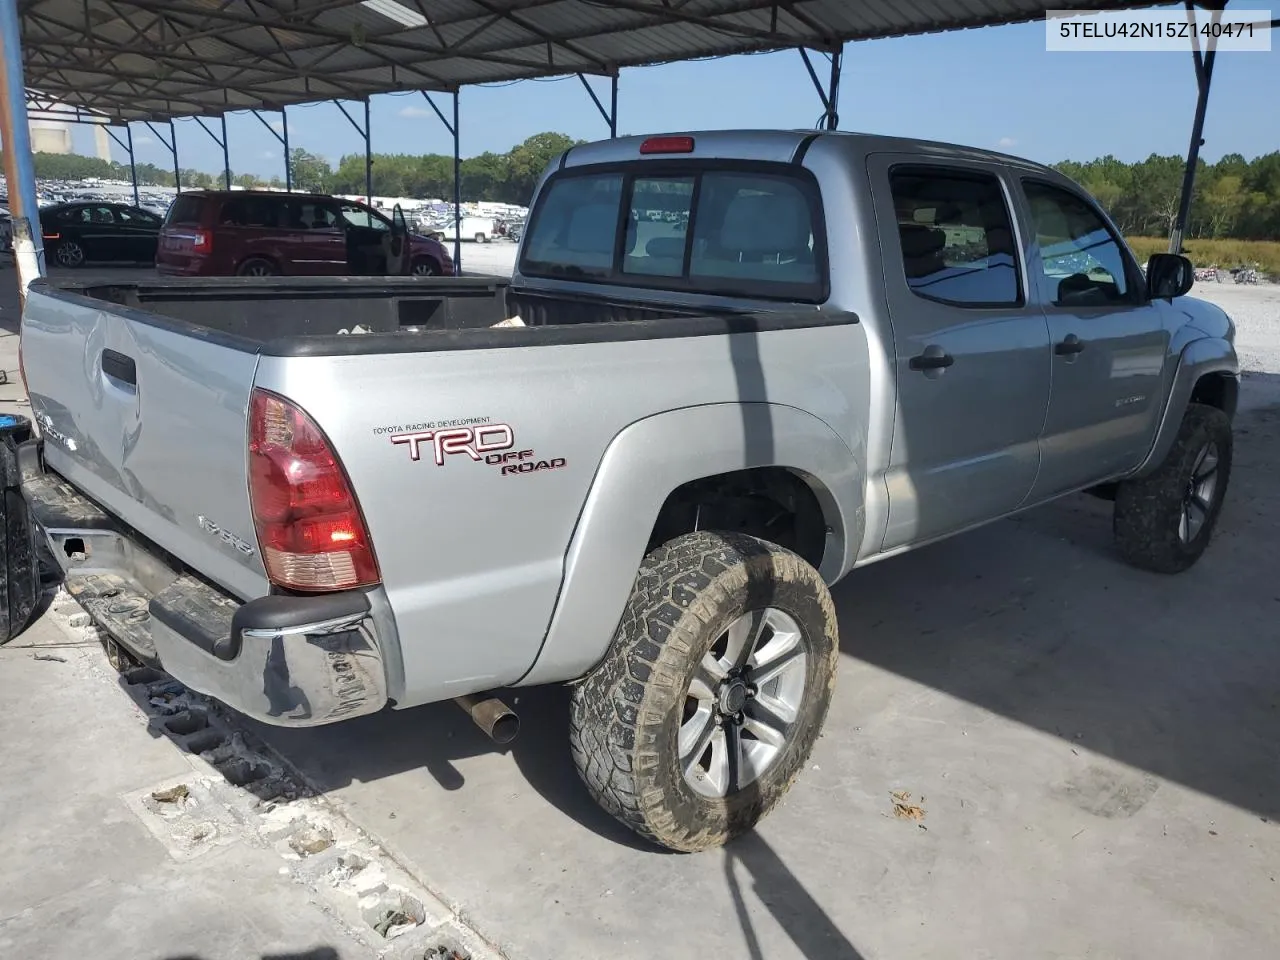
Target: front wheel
(1163, 521)
(713, 693)
(481, 238)
(425, 267)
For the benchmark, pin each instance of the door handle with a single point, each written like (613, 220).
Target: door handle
(117, 366)
(933, 359)
(1068, 346)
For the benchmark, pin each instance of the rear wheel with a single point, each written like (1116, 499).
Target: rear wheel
(481, 238)
(257, 267)
(68, 253)
(1163, 521)
(713, 693)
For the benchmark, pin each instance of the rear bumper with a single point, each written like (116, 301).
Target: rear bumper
(287, 660)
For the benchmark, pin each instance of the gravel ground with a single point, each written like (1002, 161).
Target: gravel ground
(1256, 312)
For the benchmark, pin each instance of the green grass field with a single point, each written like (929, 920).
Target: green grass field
(1264, 254)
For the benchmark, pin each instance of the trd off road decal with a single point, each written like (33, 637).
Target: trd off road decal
(491, 443)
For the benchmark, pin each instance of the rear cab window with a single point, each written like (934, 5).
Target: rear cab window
(754, 230)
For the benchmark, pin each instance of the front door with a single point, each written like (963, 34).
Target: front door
(1109, 343)
(365, 231)
(972, 356)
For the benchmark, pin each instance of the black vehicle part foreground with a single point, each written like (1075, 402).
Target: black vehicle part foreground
(19, 564)
(627, 714)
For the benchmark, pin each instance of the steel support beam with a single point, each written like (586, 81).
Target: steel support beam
(172, 145)
(19, 164)
(222, 142)
(453, 129)
(127, 146)
(1204, 77)
(368, 147)
(830, 93)
(610, 115)
(283, 136)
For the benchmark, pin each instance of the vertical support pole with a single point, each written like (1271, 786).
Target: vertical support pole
(833, 89)
(368, 156)
(1204, 76)
(288, 160)
(19, 165)
(133, 165)
(613, 107)
(457, 188)
(226, 154)
(173, 145)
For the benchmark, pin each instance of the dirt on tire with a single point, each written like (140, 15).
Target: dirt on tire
(625, 715)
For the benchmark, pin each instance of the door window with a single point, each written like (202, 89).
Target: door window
(97, 215)
(137, 218)
(1083, 263)
(956, 237)
(359, 216)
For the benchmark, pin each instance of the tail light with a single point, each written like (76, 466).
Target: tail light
(51, 236)
(202, 241)
(312, 534)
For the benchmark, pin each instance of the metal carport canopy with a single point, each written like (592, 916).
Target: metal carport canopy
(158, 59)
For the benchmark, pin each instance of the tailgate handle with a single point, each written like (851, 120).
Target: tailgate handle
(117, 366)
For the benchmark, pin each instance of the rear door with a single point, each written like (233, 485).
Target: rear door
(322, 250)
(971, 353)
(1109, 343)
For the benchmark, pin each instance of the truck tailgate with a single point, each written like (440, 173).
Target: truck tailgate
(149, 421)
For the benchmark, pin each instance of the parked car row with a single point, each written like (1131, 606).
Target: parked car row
(242, 233)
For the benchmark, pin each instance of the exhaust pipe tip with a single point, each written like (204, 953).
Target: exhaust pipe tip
(499, 722)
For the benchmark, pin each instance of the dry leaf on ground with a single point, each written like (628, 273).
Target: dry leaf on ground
(904, 809)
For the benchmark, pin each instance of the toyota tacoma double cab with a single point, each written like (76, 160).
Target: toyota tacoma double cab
(746, 364)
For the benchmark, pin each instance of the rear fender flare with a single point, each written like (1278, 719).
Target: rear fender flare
(651, 458)
(1206, 355)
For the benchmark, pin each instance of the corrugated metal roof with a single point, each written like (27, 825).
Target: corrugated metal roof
(155, 59)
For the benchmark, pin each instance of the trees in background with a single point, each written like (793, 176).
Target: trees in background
(1235, 198)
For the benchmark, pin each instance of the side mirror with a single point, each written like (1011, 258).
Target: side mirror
(1169, 275)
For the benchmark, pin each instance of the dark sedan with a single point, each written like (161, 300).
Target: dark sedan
(76, 233)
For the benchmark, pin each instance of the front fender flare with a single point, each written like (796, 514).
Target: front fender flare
(1198, 358)
(651, 458)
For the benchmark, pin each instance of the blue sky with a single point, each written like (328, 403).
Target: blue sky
(995, 87)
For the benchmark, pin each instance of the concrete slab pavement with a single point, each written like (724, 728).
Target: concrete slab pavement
(81, 875)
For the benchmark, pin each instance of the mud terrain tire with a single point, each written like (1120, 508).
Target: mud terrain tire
(1163, 521)
(627, 715)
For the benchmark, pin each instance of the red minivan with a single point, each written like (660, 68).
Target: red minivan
(251, 233)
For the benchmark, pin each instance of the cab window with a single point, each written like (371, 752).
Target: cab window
(1082, 262)
(956, 237)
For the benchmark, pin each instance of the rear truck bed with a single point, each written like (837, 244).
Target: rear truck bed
(311, 525)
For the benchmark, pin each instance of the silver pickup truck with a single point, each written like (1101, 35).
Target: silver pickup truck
(747, 363)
